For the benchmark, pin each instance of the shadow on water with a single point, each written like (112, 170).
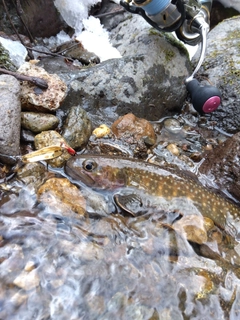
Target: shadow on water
(114, 266)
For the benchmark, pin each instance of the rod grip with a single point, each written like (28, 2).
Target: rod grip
(205, 99)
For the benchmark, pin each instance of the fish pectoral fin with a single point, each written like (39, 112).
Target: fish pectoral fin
(130, 203)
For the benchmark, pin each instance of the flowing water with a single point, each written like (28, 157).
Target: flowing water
(104, 267)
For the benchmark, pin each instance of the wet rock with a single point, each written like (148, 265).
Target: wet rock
(27, 280)
(101, 131)
(12, 259)
(193, 227)
(62, 194)
(27, 135)
(32, 175)
(36, 99)
(112, 20)
(75, 50)
(19, 298)
(38, 122)
(77, 127)
(52, 138)
(130, 126)
(173, 149)
(10, 115)
(219, 12)
(221, 66)
(30, 265)
(223, 163)
(148, 81)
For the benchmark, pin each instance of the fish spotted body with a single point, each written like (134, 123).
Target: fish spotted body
(102, 172)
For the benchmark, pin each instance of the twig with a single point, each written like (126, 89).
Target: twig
(20, 39)
(20, 12)
(41, 83)
(52, 54)
(101, 15)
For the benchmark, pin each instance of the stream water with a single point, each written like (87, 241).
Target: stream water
(56, 267)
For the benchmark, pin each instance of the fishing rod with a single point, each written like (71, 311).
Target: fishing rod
(190, 19)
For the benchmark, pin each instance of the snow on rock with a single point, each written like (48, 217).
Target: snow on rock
(74, 11)
(95, 39)
(17, 51)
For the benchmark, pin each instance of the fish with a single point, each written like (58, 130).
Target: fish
(111, 173)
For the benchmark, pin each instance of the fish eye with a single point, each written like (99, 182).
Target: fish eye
(89, 165)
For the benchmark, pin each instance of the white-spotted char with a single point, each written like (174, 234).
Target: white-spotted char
(102, 172)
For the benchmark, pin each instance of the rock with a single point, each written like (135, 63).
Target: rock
(223, 163)
(41, 17)
(77, 127)
(112, 20)
(130, 126)
(52, 138)
(5, 61)
(32, 174)
(173, 149)
(101, 131)
(62, 194)
(27, 280)
(36, 99)
(219, 12)
(38, 122)
(194, 228)
(17, 51)
(30, 265)
(221, 66)
(10, 115)
(75, 50)
(231, 3)
(147, 81)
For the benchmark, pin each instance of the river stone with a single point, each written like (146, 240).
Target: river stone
(36, 99)
(52, 138)
(147, 81)
(130, 126)
(38, 122)
(10, 115)
(27, 280)
(221, 66)
(223, 163)
(62, 194)
(77, 127)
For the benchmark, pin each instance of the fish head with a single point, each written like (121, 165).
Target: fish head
(95, 171)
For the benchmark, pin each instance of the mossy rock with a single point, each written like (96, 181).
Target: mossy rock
(5, 61)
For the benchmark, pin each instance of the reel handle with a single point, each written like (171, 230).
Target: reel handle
(205, 99)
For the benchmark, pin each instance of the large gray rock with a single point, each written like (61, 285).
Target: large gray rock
(10, 115)
(147, 81)
(222, 67)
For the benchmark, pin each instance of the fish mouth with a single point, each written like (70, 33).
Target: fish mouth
(80, 175)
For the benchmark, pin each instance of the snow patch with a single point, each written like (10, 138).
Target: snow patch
(17, 52)
(95, 39)
(74, 11)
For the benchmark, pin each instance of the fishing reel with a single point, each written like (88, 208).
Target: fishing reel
(190, 21)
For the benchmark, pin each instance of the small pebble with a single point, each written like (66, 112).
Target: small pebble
(173, 149)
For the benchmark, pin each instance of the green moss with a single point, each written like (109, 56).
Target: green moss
(176, 43)
(169, 55)
(172, 40)
(5, 61)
